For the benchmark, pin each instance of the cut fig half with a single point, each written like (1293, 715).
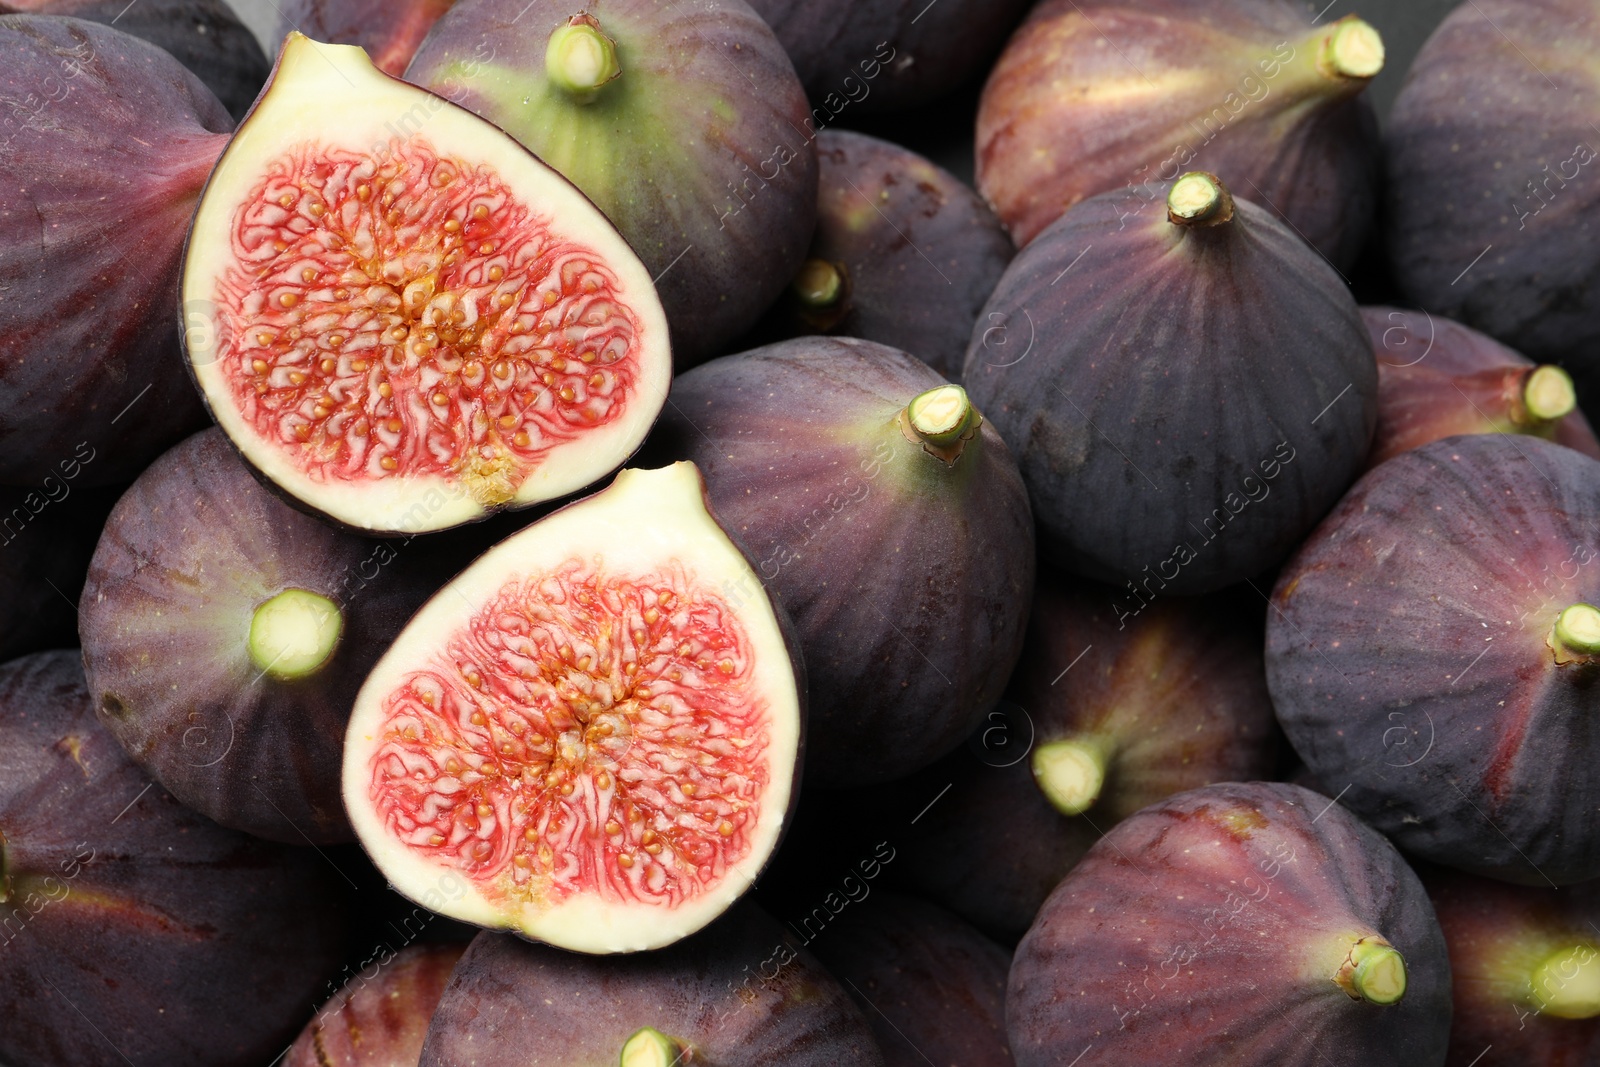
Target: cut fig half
(402, 318)
(596, 726)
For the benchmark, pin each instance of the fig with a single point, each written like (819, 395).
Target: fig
(1526, 961)
(1243, 925)
(904, 254)
(137, 931)
(407, 322)
(100, 168)
(1252, 90)
(932, 987)
(596, 725)
(888, 519)
(1188, 393)
(744, 991)
(204, 35)
(1431, 654)
(1438, 378)
(225, 636)
(684, 122)
(379, 1021)
(1489, 156)
(387, 30)
(1116, 704)
(47, 536)
(842, 48)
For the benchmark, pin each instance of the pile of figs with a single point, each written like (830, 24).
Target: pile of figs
(531, 533)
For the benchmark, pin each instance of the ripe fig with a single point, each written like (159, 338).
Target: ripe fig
(47, 536)
(597, 725)
(683, 121)
(406, 321)
(99, 172)
(387, 30)
(932, 987)
(1490, 159)
(1116, 704)
(1438, 378)
(888, 519)
(1526, 961)
(1432, 655)
(904, 254)
(379, 1021)
(204, 35)
(137, 931)
(741, 992)
(1188, 393)
(225, 636)
(879, 56)
(1239, 925)
(1252, 90)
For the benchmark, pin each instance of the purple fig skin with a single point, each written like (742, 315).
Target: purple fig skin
(381, 1021)
(1490, 143)
(1207, 930)
(98, 179)
(1498, 935)
(932, 987)
(1410, 656)
(47, 536)
(389, 30)
(204, 35)
(866, 540)
(188, 554)
(137, 931)
(1438, 378)
(918, 251)
(878, 57)
(722, 207)
(742, 991)
(1226, 86)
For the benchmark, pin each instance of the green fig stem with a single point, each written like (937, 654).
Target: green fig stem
(1566, 984)
(1071, 773)
(820, 284)
(1198, 199)
(293, 634)
(942, 421)
(1374, 971)
(649, 1047)
(1576, 632)
(1353, 50)
(1548, 394)
(580, 59)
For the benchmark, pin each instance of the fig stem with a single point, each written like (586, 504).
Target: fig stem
(1071, 773)
(941, 420)
(819, 284)
(1567, 983)
(294, 633)
(1198, 199)
(1353, 50)
(580, 59)
(1577, 630)
(1374, 971)
(649, 1047)
(1548, 394)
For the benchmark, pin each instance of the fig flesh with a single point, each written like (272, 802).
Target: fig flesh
(888, 519)
(99, 173)
(597, 726)
(380, 1021)
(1246, 925)
(683, 122)
(387, 30)
(1187, 392)
(404, 320)
(1430, 658)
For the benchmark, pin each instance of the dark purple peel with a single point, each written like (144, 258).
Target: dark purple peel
(379, 1020)
(182, 942)
(98, 179)
(389, 30)
(1235, 925)
(1414, 656)
(743, 991)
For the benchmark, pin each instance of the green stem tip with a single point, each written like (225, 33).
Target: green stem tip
(293, 634)
(943, 416)
(581, 59)
(1548, 394)
(1567, 984)
(1577, 630)
(820, 284)
(1071, 773)
(649, 1047)
(1199, 199)
(1374, 972)
(1353, 50)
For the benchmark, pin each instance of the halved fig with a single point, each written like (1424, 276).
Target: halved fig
(379, 1020)
(1239, 925)
(99, 173)
(1438, 378)
(403, 319)
(597, 725)
(387, 30)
